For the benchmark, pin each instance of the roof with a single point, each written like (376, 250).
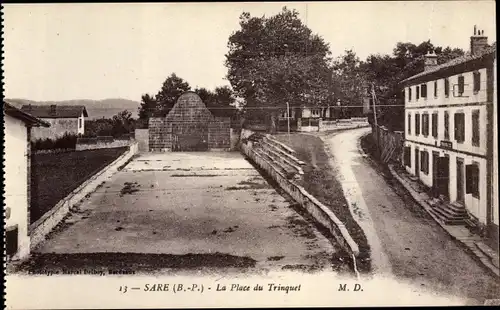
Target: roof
(461, 61)
(55, 111)
(27, 118)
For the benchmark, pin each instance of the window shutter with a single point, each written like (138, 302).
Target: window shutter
(446, 87)
(477, 81)
(468, 178)
(461, 85)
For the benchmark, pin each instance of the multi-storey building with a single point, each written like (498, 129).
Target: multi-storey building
(450, 130)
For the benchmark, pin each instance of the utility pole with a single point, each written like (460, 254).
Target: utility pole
(288, 120)
(374, 98)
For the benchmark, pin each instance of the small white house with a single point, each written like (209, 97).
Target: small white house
(62, 119)
(17, 162)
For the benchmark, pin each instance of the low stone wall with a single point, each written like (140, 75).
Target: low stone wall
(101, 145)
(39, 229)
(322, 214)
(142, 138)
(326, 125)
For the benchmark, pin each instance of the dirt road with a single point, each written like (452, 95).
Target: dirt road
(405, 240)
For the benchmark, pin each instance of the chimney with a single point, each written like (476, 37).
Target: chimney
(478, 42)
(430, 61)
(53, 109)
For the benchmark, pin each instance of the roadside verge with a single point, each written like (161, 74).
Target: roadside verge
(39, 229)
(265, 155)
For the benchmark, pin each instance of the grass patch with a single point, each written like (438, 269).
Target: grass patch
(54, 176)
(321, 182)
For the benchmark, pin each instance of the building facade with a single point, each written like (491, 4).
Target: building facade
(450, 135)
(17, 162)
(62, 120)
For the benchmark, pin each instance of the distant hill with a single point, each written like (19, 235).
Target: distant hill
(96, 108)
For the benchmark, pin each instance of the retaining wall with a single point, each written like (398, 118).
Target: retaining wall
(102, 145)
(39, 229)
(321, 213)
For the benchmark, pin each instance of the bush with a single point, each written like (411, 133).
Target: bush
(67, 141)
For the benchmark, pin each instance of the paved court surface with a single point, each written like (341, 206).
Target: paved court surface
(193, 203)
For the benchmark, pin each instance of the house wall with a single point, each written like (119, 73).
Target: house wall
(453, 103)
(81, 120)
(58, 127)
(16, 181)
(495, 149)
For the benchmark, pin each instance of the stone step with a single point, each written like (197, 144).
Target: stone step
(445, 220)
(449, 214)
(488, 252)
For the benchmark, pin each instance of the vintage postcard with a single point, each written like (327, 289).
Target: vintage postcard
(260, 154)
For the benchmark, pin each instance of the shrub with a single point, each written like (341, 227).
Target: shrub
(67, 141)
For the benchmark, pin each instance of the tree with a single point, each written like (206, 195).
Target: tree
(171, 90)
(219, 102)
(387, 71)
(351, 82)
(165, 99)
(147, 107)
(276, 59)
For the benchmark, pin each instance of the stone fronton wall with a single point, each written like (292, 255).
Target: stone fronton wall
(189, 126)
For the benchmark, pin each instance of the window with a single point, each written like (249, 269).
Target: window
(315, 112)
(446, 87)
(461, 85)
(425, 124)
(477, 81)
(435, 88)
(409, 93)
(460, 127)
(472, 179)
(424, 162)
(417, 124)
(435, 125)
(409, 123)
(475, 127)
(423, 90)
(417, 92)
(407, 156)
(446, 125)
(79, 123)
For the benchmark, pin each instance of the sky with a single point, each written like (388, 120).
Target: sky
(99, 51)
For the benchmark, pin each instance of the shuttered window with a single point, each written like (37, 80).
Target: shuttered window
(461, 85)
(459, 127)
(434, 125)
(446, 87)
(472, 179)
(475, 128)
(446, 125)
(425, 124)
(424, 162)
(423, 89)
(409, 93)
(417, 124)
(417, 92)
(407, 156)
(409, 123)
(435, 88)
(477, 81)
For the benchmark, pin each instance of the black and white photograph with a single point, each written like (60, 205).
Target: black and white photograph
(250, 154)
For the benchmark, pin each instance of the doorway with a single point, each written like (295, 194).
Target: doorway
(435, 173)
(444, 176)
